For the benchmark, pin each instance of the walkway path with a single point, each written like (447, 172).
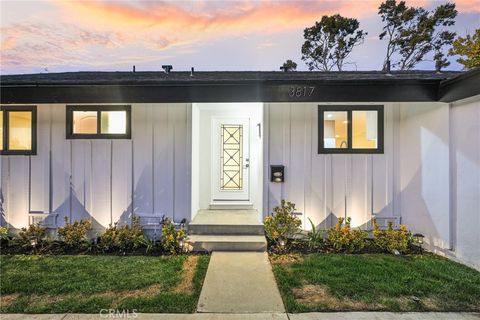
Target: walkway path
(240, 282)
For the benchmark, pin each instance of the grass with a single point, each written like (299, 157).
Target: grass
(336, 282)
(86, 284)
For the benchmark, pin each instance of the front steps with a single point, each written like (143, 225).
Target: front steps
(227, 230)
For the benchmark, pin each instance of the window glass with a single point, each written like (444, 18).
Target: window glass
(364, 129)
(20, 130)
(1, 130)
(335, 129)
(85, 122)
(114, 122)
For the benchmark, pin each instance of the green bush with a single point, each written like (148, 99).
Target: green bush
(171, 237)
(390, 239)
(3, 233)
(33, 235)
(342, 238)
(124, 238)
(283, 224)
(74, 235)
(314, 237)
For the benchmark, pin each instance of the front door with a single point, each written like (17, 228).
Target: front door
(230, 159)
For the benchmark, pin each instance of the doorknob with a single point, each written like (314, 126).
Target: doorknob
(247, 165)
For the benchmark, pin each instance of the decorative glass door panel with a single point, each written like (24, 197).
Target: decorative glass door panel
(230, 159)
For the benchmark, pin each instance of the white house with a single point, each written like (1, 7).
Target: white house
(400, 146)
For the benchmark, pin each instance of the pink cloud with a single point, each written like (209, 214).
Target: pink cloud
(91, 32)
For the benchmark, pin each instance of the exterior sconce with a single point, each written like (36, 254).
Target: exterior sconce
(277, 173)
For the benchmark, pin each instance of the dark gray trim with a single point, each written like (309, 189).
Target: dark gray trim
(460, 87)
(5, 150)
(349, 109)
(395, 90)
(98, 108)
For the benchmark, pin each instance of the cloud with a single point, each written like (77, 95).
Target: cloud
(92, 32)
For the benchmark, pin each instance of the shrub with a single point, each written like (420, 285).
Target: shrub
(171, 237)
(390, 239)
(3, 233)
(283, 224)
(342, 238)
(124, 238)
(314, 237)
(74, 235)
(33, 235)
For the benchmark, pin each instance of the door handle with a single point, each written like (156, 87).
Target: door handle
(247, 165)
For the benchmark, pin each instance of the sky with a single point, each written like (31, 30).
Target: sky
(61, 36)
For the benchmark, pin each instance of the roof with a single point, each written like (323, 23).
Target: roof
(238, 86)
(156, 77)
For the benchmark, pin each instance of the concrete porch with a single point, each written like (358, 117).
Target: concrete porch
(227, 230)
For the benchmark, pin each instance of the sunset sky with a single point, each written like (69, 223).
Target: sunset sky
(58, 36)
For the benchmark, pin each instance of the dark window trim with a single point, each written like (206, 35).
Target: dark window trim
(6, 110)
(349, 109)
(98, 109)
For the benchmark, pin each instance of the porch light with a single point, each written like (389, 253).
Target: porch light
(33, 242)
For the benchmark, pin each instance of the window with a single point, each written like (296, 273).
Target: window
(350, 129)
(18, 130)
(98, 122)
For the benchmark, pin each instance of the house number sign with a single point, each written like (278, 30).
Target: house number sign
(300, 92)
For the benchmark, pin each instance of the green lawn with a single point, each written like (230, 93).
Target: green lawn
(57, 284)
(334, 282)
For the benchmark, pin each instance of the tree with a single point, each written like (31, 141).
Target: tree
(468, 47)
(329, 42)
(289, 65)
(412, 33)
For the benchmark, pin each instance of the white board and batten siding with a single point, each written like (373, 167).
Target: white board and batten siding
(428, 175)
(327, 186)
(105, 180)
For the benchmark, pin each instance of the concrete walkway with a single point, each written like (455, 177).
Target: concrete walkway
(240, 282)
(257, 316)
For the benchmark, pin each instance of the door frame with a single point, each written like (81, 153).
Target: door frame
(201, 175)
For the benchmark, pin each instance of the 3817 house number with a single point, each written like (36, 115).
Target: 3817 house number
(298, 92)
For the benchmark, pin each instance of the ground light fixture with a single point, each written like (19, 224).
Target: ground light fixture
(418, 239)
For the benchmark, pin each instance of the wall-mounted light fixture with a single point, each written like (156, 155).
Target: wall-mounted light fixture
(277, 173)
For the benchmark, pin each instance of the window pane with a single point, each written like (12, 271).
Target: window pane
(114, 122)
(364, 129)
(85, 122)
(19, 130)
(1, 130)
(335, 130)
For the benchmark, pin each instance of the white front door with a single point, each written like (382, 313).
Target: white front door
(230, 159)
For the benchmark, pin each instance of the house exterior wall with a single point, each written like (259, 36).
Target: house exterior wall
(429, 174)
(327, 186)
(465, 179)
(424, 171)
(103, 179)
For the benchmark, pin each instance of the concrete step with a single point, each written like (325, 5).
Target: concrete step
(226, 229)
(228, 242)
(226, 222)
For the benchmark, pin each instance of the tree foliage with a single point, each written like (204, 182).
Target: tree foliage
(289, 65)
(469, 48)
(329, 42)
(412, 33)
